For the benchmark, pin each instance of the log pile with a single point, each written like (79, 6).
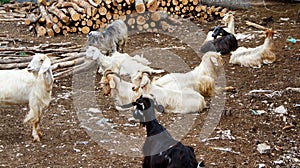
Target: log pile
(15, 12)
(82, 16)
(66, 58)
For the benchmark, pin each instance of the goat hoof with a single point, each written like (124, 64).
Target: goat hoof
(36, 139)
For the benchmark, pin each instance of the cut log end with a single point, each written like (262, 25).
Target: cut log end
(85, 30)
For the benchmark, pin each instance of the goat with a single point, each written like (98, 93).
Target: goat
(172, 100)
(113, 38)
(228, 20)
(224, 44)
(120, 63)
(255, 57)
(120, 90)
(32, 85)
(160, 149)
(201, 78)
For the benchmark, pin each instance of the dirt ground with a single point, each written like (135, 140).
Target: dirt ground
(71, 138)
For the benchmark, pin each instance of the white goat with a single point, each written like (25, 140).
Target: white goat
(201, 79)
(32, 85)
(228, 21)
(175, 101)
(255, 57)
(121, 63)
(120, 90)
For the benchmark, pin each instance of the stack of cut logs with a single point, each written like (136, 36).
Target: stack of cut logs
(82, 16)
(66, 58)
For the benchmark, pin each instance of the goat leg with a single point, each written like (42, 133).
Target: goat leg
(36, 133)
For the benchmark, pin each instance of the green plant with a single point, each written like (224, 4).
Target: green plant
(22, 54)
(4, 1)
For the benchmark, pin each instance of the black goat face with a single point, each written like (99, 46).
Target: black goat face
(144, 109)
(218, 31)
(143, 103)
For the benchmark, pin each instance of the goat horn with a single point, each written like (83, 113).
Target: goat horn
(109, 72)
(106, 72)
(147, 72)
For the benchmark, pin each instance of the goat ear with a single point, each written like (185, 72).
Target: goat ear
(112, 83)
(214, 60)
(46, 73)
(46, 65)
(144, 81)
(48, 79)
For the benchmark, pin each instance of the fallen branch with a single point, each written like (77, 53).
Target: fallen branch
(38, 50)
(225, 150)
(15, 40)
(77, 69)
(16, 60)
(293, 89)
(256, 25)
(68, 58)
(67, 63)
(13, 20)
(13, 65)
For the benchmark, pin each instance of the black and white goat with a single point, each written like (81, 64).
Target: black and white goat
(228, 21)
(224, 44)
(160, 149)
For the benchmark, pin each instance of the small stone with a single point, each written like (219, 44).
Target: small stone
(281, 110)
(263, 148)
(94, 110)
(278, 162)
(260, 112)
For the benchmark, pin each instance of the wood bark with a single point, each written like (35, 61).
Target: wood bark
(45, 15)
(59, 14)
(82, 16)
(32, 18)
(74, 15)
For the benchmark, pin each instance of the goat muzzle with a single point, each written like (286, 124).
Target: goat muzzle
(135, 89)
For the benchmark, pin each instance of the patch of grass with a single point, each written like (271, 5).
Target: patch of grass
(4, 1)
(23, 54)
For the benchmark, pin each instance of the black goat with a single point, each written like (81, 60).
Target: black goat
(224, 44)
(160, 149)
